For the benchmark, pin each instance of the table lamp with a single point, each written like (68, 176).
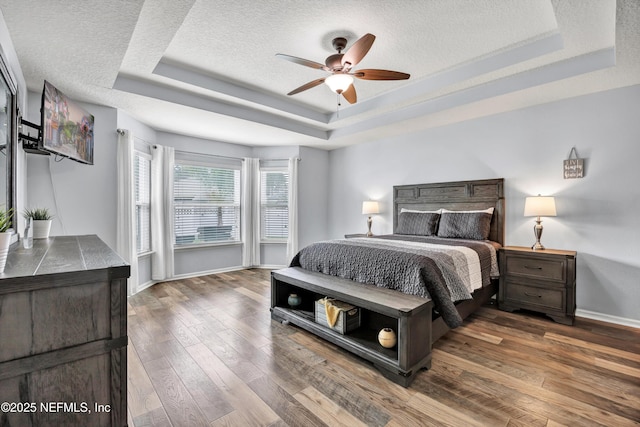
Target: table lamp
(539, 206)
(369, 208)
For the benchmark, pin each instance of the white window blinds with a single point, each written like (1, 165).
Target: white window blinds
(274, 205)
(206, 203)
(142, 182)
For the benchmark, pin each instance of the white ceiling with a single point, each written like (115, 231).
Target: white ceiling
(208, 68)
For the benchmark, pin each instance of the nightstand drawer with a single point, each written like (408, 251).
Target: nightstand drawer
(533, 296)
(542, 281)
(547, 269)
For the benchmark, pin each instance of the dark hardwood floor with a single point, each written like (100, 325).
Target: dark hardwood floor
(205, 352)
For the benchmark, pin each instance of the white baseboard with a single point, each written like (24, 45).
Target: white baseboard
(608, 318)
(144, 286)
(205, 273)
(187, 276)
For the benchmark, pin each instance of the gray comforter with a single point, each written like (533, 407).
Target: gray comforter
(444, 270)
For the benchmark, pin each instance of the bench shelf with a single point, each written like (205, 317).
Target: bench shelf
(409, 316)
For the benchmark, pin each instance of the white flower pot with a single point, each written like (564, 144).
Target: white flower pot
(5, 242)
(41, 228)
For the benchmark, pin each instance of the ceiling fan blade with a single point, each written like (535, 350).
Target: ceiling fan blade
(357, 51)
(350, 94)
(306, 86)
(373, 74)
(302, 61)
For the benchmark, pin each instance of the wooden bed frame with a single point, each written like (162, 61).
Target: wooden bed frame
(456, 196)
(414, 319)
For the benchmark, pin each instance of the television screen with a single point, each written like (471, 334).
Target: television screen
(67, 128)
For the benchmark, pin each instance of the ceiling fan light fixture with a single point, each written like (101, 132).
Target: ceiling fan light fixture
(340, 66)
(339, 82)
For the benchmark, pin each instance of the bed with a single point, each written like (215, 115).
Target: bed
(420, 312)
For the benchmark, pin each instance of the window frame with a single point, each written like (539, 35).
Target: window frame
(263, 238)
(141, 250)
(236, 237)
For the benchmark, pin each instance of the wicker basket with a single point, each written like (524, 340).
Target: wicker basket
(348, 320)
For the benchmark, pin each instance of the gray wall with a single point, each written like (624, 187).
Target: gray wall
(83, 197)
(313, 196)
(139, 130)
(597, 215)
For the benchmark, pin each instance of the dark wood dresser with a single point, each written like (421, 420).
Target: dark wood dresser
(543, 280)
(63, 334)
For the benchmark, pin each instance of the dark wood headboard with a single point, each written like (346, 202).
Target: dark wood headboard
(459, 195)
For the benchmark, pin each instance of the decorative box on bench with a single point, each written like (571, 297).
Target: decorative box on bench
(348, 315)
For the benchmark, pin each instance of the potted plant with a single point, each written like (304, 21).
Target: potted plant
(41, 221)
(5, 236)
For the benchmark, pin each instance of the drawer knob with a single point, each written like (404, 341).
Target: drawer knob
(532, 295)
(532, 268)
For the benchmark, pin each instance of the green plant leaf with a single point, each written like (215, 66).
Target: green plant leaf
(37, 214)
(5, 219)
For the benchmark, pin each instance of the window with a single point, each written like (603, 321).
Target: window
(206, 203)
(274, 204)
(142, 178)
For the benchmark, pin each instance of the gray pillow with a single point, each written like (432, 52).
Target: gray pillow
(417, 223)
(465, 225)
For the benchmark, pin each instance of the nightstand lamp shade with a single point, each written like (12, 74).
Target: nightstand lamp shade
(370, 208)
(539, 206)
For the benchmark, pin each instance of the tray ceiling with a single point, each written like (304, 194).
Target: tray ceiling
(208, 69)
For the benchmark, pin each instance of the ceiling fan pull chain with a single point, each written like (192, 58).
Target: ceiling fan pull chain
(338, 106)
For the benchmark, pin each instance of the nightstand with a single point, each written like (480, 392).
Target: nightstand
(351, 236)
(543, 281)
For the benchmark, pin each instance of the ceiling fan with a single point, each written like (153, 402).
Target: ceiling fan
(340, 65)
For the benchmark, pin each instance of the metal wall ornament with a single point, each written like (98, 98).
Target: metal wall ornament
(573, 167)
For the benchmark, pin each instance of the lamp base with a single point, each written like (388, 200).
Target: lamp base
(537, 247)
(369, 221)
(537, 230)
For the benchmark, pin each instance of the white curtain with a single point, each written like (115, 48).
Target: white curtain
(250, 212)
(126, 204)
(162, 233)
(292, 240)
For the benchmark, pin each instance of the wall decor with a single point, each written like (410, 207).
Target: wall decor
(573, 167)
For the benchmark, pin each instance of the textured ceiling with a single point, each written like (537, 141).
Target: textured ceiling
(208, 68)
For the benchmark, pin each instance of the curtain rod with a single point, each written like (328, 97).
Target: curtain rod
(209, 155)
(280, 160)
(229, 157)
(121, 132)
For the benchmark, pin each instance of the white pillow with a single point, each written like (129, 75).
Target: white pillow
(416, 211)
(488, 210)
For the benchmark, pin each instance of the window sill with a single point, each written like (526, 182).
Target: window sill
(205, 245)
(273, 242)
(145, 254)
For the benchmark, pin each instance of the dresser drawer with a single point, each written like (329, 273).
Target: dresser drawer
(536, 267)
(524, 295)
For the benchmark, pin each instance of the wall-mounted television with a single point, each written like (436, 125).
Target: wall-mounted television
(67, 128)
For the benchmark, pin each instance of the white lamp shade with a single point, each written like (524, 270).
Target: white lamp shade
(540, 206)
(370, 207)
(339, 82)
